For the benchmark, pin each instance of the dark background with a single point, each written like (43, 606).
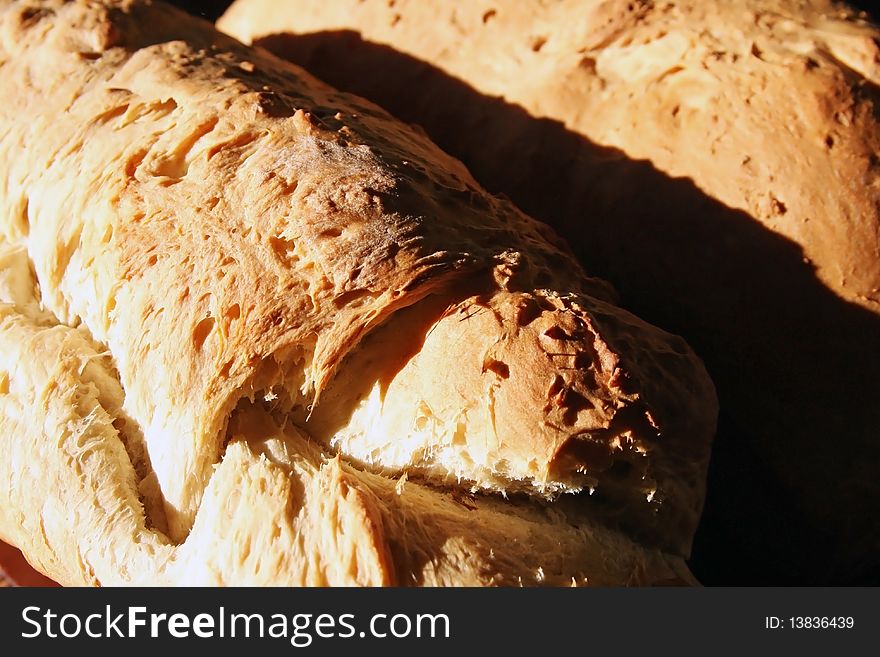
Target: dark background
(210, 9)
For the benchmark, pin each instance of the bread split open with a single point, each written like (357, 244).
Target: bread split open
(256, 331)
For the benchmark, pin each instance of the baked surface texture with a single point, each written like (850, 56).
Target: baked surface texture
(677, 83)
(717, 161)
(257, 331)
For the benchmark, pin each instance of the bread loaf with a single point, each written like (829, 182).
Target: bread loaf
(270, 335)
(750, 98)
(717, 162)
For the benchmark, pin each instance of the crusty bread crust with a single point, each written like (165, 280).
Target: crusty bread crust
(212, 234)
(717, 161)
(698, 88)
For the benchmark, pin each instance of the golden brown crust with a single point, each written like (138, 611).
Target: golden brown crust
(230, 229)
(703, 84)
(717, 161)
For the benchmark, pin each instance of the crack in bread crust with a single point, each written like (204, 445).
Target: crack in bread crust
(322, 522)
